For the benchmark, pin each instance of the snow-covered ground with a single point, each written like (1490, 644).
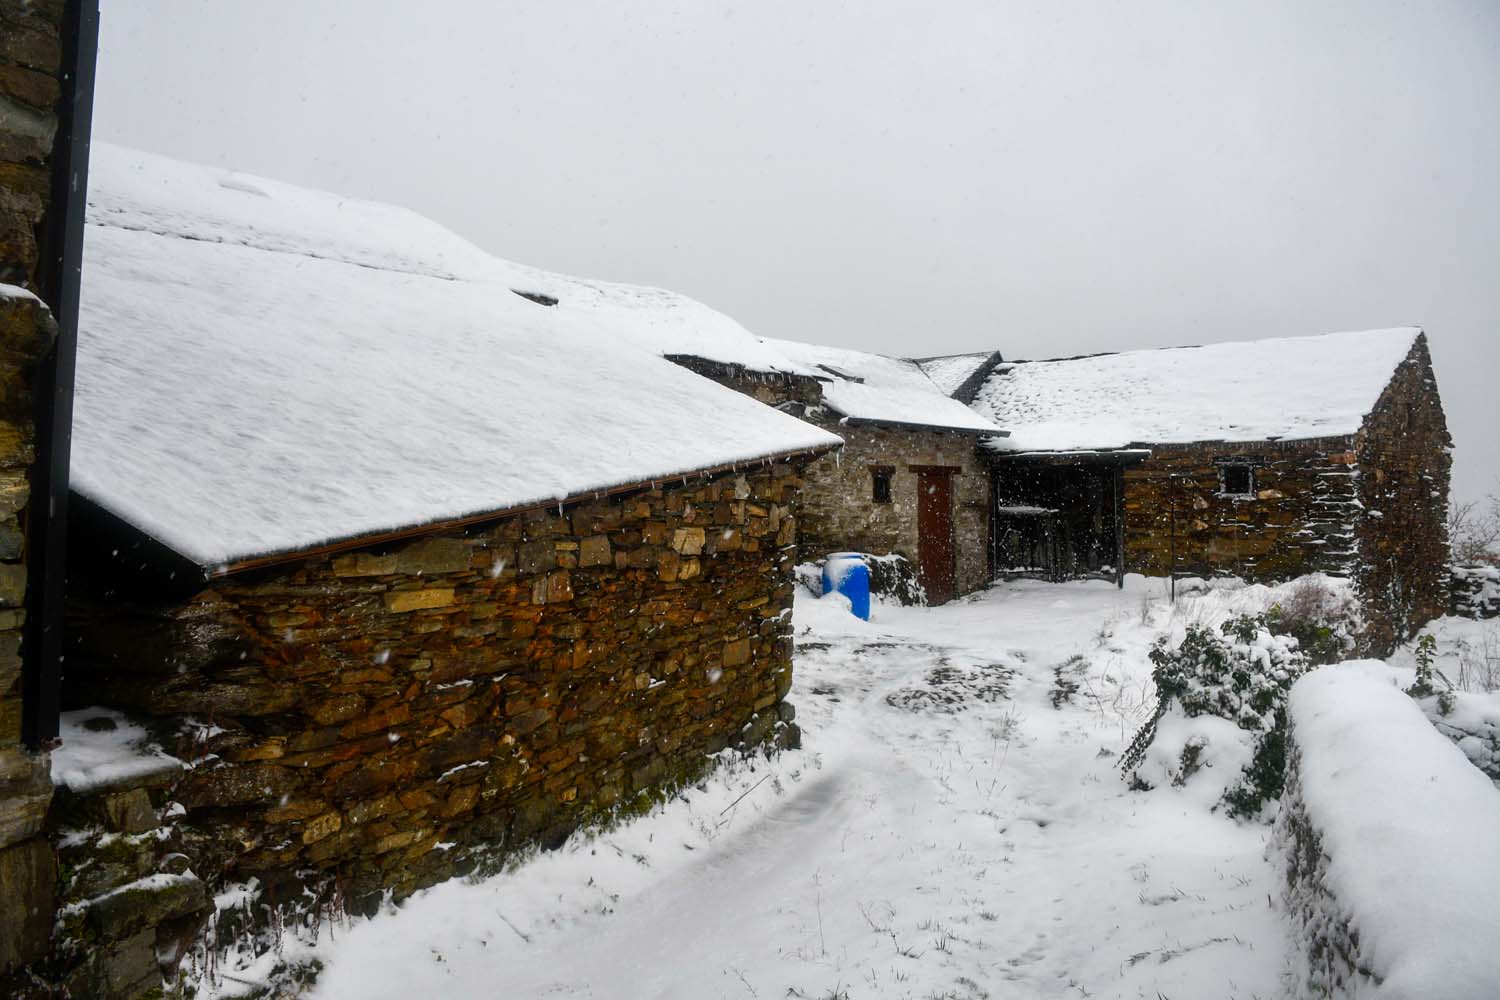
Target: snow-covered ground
(945, 832)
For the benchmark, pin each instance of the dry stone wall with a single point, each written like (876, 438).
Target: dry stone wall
(1301, 518)
(1405, 456)
(397, 715)
(30, 56)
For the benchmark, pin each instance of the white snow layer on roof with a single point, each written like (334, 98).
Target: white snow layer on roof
(892, 390)
(948, 373)
(134, 190)
(1286, 388)
(262, 369)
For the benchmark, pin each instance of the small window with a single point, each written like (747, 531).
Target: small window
(1237, 480)
(880, 485)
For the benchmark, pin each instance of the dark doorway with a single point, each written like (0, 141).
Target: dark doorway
(935, 532)
(1057, 520)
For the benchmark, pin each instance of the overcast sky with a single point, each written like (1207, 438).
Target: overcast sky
(913, 178)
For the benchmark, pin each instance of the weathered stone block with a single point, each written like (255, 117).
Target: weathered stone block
(401, 601)
(15, 490)
(12, 580)
(595, 551)
(364, 564)
(27, 328)
(434, 556)
(736, 652)
(536, 556)
(322, 826)
(552, 588)
(688, 541)
(129, 811)
(28, 880)
(25, 790)
(144, 904)
(241, 784)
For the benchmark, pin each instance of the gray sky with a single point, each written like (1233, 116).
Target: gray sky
(1045, 178)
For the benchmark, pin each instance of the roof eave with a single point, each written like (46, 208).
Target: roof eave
(449, 524)
(217, 571)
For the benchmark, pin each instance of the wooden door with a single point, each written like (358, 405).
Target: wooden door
(935, 533)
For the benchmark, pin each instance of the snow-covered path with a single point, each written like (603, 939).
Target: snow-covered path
(945, 832)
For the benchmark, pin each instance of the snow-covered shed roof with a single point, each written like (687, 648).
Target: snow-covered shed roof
(264, 369)
(876, 389)
(1285, 388)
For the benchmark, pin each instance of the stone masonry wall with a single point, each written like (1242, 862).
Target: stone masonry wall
(1301, 519)
(481, 689)
(839, 512)
(30, 56)
(1405, 455)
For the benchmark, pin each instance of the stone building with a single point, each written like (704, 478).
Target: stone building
(1263, 460)
(910, 479)
(409, 555)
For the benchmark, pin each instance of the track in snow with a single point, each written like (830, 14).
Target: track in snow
(945, 833)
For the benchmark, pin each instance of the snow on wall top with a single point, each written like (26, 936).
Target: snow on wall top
(1407, 826)
(263, 369)
(950, 372)
(1282, 388)
(877, 388)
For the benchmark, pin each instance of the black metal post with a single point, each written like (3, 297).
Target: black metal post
(1119, 480)
(58, 277)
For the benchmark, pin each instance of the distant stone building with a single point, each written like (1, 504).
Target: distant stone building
(1263, 460)
(910, 479)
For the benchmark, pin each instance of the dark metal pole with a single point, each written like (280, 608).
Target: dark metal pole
(1120, 526)
(1172, 535)
(58, 277)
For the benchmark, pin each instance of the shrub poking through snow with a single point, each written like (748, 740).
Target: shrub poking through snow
(1325, 622)
(1065, 679)
(1427, 672)
(1241, 674)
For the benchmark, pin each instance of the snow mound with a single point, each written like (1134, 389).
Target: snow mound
(261, 372)
(1281, 388)
(1390, 840)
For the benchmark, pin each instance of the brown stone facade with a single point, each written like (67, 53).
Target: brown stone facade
(839, 511)
(839, 508)
(30, 56)
(1372, 507)
(1300, 518)
(480, 689)
(1404, 454)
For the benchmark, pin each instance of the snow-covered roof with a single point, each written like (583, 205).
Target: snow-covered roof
(879, 389)
(950, 372)
(263, 369)
(1284, 388)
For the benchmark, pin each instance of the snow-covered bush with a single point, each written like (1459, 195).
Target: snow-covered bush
(1325, 620)
(1241, 674)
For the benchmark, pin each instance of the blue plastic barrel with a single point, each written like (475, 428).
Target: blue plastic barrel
(847, 574)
